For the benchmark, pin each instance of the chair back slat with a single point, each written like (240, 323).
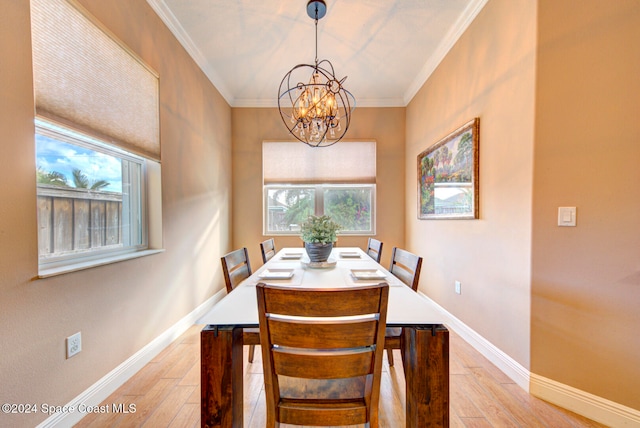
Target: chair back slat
(322, 353)
(406, 266)
(314, 302)
(318, 389)
(323, 335)
(374, 249)
(326, 365)
(268, 249)
(335, 418)
(236, 268)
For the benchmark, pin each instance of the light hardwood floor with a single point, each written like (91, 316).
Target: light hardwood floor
(166, 393)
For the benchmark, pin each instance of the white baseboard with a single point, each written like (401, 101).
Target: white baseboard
(509, 366)
(583, 403)
(100, 390)
(591, 406)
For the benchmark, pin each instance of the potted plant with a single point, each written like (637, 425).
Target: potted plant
(319, 234)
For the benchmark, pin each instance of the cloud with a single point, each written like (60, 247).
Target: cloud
(53, 155)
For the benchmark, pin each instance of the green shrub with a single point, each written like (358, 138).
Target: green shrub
(320, 230)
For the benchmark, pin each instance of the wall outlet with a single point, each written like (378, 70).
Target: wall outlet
(458, 287)
(74, 344)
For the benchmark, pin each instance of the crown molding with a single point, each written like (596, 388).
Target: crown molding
(472, 10)
(169, 19)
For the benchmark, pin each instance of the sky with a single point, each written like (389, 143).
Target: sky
(53, 155)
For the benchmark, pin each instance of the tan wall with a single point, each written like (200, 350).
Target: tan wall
(251, 126)
(121, 307)
(586, 280)
(489, 74)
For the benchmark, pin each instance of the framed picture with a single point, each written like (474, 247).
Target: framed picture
(448, 176)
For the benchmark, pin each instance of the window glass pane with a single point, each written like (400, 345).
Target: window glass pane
(89, 198)
(350, 207)
(70, 165)
(288, 207)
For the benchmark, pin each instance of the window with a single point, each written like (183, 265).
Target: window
(338, 181)
(90, 197)
(287, 207)
(97, 142)
(349, 205)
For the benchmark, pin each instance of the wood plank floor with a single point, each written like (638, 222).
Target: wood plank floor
(166, 393)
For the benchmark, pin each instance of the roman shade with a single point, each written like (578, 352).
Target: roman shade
(87, 79)
(350, 162)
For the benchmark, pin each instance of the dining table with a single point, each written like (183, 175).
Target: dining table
(425, 339)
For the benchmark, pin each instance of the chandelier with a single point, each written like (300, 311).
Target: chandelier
(318, 113)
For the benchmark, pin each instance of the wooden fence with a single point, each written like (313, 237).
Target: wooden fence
(74, 220)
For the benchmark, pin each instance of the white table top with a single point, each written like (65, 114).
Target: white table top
(405, 306)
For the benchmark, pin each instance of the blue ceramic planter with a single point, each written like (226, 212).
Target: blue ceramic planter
(318, 252)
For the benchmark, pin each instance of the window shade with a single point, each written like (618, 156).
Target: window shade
(292, 162)
(87, 79)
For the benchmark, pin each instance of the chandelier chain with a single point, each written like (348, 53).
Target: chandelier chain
(316, 36)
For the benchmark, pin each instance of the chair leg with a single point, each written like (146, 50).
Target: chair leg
(390, 356)
(252, 349)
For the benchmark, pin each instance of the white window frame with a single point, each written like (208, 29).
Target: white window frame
(319, 191)
(149, 171)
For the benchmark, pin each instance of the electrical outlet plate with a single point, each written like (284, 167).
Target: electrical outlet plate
(74, 344)
(458, 287)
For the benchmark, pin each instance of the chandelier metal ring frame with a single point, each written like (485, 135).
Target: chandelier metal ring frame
(317, 113)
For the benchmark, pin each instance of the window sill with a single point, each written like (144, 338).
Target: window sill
(73, 267)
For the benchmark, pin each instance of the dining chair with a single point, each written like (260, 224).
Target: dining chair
(374, 249)
(320, 360)
(236, 268)
(268, 249)
(406, 267)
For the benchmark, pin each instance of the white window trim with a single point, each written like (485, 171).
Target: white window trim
(87, 263)
(151, 211)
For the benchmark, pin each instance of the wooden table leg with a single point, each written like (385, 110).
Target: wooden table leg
(426, 366)
(221, 377)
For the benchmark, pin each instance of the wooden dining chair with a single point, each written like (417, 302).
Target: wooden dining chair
(374, 249)
(405, 266)
(236, 268)
(268, 249)
(320, 368)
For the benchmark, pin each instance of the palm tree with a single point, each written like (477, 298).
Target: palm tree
(51, 177)
(81, 181)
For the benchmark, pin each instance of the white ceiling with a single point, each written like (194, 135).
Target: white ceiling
(386, 48)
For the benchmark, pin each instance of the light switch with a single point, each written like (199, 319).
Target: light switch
(566, 216)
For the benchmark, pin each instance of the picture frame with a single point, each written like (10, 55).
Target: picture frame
(448, 174)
